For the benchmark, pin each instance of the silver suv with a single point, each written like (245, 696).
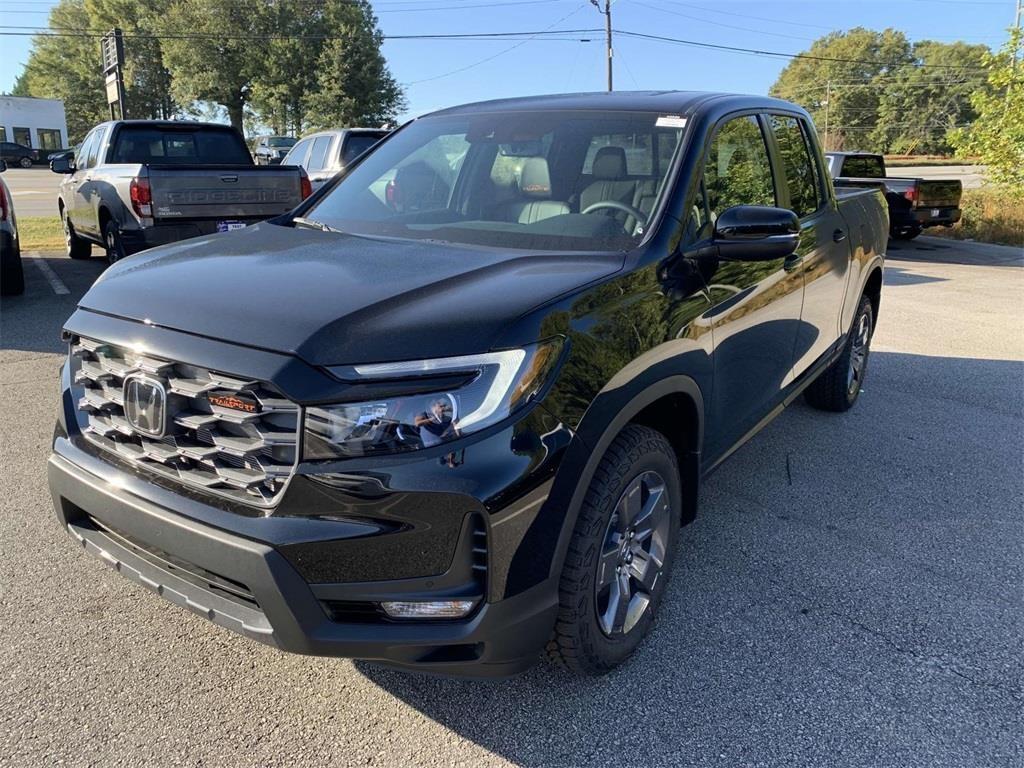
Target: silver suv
(326, 153)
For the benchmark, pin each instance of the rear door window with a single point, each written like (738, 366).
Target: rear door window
(318, 153)
(797, 164)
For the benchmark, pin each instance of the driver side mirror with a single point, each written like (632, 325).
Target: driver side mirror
(756, 233)
(62, 165)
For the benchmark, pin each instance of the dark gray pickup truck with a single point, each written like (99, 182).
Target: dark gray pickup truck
(134, 184)
(914, 204)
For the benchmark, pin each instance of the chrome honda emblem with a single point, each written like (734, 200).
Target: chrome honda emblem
(145, 405)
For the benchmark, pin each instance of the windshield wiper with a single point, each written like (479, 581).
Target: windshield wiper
(313, 224)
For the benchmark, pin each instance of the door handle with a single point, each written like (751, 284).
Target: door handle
(838, 236)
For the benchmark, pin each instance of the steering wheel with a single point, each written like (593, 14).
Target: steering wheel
(639, 216)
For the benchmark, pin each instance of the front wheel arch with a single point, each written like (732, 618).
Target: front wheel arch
(642, 408)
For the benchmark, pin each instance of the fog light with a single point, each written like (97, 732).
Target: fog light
(435, 609)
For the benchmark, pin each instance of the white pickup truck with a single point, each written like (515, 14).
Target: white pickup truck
(134, 184)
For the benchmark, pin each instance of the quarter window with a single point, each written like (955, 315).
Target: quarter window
(738, 171)
(797, 165)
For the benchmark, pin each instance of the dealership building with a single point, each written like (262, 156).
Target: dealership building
(36, 123)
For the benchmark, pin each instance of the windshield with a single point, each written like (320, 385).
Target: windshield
(281, 141)
(547, 180)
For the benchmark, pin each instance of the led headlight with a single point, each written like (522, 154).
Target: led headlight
(489, 388)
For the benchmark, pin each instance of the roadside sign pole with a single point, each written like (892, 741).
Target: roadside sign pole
(112, 49)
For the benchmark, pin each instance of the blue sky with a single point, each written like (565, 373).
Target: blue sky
(441, 73)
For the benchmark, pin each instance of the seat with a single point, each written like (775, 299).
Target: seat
(610, 182)
(535, 188)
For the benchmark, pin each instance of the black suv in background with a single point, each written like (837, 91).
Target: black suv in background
(452, 411)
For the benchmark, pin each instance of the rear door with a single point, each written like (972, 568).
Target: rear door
(823, 254)
(317, 163)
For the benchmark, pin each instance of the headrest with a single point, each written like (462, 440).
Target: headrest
(609, 163)
(535, 181)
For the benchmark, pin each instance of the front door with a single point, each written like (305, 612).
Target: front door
(755, 312)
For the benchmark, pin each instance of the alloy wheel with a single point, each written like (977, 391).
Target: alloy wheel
(859, 354)
(632, 554)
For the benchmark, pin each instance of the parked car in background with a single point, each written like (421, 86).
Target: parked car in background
(914, 204)
(461, 429)
(17, 154)
(326, 153)
(62, 153)
(134, 184)
(270, 150)
(12, 278)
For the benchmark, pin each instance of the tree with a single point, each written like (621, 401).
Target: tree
(919, 105)
(68, 68)
(214, 51)
(353, 85)
(997, 135)
(840, 86)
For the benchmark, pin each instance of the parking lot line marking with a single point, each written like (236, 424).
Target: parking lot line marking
(51, 277)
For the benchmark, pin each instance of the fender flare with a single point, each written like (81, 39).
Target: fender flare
(689, 474)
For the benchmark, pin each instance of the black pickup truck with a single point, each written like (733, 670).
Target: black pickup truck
(914, 204)
(451, 412)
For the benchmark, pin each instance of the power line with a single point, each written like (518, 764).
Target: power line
(203, 36)
(719, 23)
(778, 54)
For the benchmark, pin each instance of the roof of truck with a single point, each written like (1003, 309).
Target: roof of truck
(672, 102)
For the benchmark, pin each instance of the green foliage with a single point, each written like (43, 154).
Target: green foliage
(68, 68)
(845, 94)
(997, 135)
(268, 61)
(354, 86)
(885, 101)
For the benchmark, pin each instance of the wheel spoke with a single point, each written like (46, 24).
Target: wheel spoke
(645, 569)
(629, 505)
(651, 514)
(606, 567)
(635, 610)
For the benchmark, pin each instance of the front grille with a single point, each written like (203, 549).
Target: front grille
(246, 452)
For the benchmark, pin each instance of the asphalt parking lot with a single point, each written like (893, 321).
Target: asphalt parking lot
(852, 592)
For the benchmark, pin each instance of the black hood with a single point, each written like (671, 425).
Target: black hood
(332, 298)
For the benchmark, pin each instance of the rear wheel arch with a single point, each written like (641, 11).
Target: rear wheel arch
(873, 290)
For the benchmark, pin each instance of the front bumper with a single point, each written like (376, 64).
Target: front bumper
(249, 587)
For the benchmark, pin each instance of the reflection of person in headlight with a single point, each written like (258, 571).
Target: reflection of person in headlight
(436, 426)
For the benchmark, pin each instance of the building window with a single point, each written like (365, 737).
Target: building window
(3, 133)
(23, 136)
(49, 138)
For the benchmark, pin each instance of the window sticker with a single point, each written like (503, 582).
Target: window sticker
(670, 121)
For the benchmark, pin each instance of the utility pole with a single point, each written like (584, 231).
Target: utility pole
(608, 32)
(828, 100)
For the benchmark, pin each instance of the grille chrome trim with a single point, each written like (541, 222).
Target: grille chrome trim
(248, 457)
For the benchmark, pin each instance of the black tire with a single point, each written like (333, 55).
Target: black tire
(74, 246)
(908, 233)
(839, 385)
(25, 162)
(113, 242)
(12, 276)
(579, 642)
